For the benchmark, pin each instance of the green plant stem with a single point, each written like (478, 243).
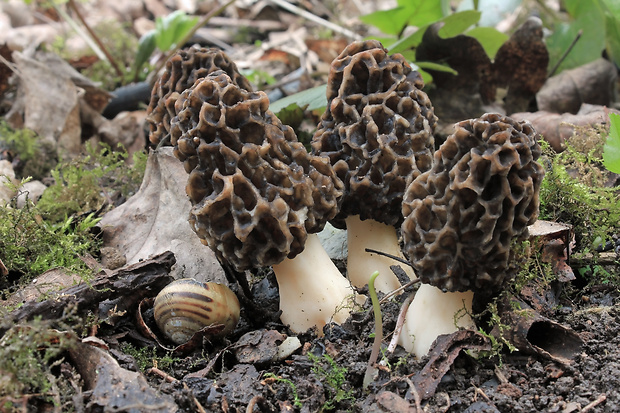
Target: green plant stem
(104, 50)
(189, 35)
(376, 345)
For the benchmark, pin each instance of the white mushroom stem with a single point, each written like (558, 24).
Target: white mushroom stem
(361, 264)
(313, 292)
(433, 313)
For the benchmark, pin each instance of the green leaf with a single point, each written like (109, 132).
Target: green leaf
(490, 38)
(146, 46)
(408, 42)
(454, 25)
(437, 67)
(588, 17)
(407, 13)
(311, 99)
(424, 12)
(612, 38)
(390, 21)
(613, 6)
(457, 23)
(172, 28)
(611, 150)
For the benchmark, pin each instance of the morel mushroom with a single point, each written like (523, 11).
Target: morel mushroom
(182, 70)
(259, 197)
(378, 133)
(461, 219)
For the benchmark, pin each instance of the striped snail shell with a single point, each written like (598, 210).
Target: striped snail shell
(186, 306)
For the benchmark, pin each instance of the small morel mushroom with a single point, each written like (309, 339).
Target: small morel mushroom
(378, 133)
(259, 197)
(461, 219)
(182, 70)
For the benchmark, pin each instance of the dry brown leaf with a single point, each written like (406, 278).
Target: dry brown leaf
(591, 83)
(50, 104)
(155, 219)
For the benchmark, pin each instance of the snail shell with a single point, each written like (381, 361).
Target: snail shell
(186, 306)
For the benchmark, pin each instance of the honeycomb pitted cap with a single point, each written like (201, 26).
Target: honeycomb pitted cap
(182, 70)
(256, 192)
(462, 216)
(377, 130)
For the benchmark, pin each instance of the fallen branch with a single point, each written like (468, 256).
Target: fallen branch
(120, 290)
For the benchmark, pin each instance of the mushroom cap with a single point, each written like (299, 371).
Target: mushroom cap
(255, 190)
(182, 70)
(462, 216)
(377, 130)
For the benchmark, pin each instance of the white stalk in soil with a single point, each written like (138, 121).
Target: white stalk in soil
(361, 264)
(433, 313)
(313, 292)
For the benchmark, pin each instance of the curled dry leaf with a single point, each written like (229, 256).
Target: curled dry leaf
(591, 83)
(155, 220)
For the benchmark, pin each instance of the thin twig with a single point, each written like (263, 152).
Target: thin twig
(162, 374)
(199, 407)
(399, 289)
(416, 395)
(307, 15)
(600, 399)
(256, 399)
(95, 38)
(570, 47)
(385, 254)
(399, 323)
(376, 345)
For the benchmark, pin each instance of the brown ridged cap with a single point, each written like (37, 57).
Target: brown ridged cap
(462, 216)
(377, 130)
(256, 191)
(182, 70)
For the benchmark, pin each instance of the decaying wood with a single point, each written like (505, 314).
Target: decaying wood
(117, 291)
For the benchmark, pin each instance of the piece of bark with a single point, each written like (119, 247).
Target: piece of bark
(444, 351)
(117, 291)
(531, 333)
(111, 386)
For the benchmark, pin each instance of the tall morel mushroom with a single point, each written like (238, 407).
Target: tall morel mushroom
(378, 133)
(182, 70)
(259, 197)
(461, 219)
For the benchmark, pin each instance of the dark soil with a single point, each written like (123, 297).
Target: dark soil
(326, 373)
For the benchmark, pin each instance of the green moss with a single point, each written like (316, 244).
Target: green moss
(29, 356)
(30, 156)
(573, 191)
(147, 357)
(334, 380)
(85, 184)
(296, 401)
(30, 246)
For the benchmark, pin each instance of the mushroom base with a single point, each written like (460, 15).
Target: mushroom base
(433, 313)
(313, 292)
(361, 264)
